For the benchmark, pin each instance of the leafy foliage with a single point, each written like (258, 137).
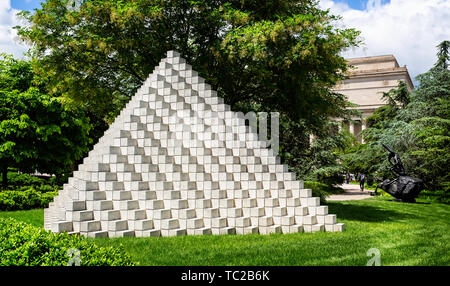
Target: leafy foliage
(25, 199)
(26, 245)
(416, 126)
(37, 131)
(274, 56)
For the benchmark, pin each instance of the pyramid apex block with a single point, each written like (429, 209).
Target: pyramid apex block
(173, 54)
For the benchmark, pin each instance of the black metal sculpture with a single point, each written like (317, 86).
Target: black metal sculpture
(404, 188)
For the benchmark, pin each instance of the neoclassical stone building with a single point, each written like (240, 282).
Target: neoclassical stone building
(368, 78)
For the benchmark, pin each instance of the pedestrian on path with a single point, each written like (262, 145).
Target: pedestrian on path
(362, 180)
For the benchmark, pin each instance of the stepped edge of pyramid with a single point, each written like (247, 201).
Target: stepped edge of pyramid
(178, 161)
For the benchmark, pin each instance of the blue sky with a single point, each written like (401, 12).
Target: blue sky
(25, 4)
(358, 4)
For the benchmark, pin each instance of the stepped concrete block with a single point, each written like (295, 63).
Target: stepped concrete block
(136, 214)
(219, 222)
(97, 234)
(317, 227)
(225, 230)
(117, 225)
(103, 205)
(313, 202)
(154, 204)
(160, 214)
(330, 219)
(309, 220)
(142, 225)
(170, 224)
(257, 212)
(149, 233)
(269, 229)
(320, 219)
(203, 203)
(82, 215)
(243, 222)
(187, 214)
(287, 220)
(293, 202)
(121, 233)
(110, 215)
(195, 223)
(211, 213)
(265, 221)
(95, 195)
(291, 229)
(179, 204)
(300, 211)
(63, 226)
(179, 156)
(129, 205)
(234, 212)
(305, 193)
(75, 205)
(171, 195)
(339, 227)
(322, 210)
(200, 231)
(89, 226)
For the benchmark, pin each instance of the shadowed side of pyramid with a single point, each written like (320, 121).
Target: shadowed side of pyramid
(178, 161)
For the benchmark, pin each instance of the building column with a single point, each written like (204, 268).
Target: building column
(351, 128)
(363, 126)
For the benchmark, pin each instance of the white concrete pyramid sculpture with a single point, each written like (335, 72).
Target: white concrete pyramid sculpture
(177, 161)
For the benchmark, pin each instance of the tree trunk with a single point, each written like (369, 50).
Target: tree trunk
(5, 177)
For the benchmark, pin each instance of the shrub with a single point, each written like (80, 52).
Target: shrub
(18, 180)
(22, 244)
(25, 200)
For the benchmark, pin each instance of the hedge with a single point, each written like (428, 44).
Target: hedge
(22, 244)
(25, 200)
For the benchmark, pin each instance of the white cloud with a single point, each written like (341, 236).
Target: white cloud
(408, 29)
(8, 36)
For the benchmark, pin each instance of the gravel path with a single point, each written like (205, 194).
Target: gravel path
(352, 192)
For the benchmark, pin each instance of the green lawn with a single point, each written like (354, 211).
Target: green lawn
(34, 217)
(405, 234)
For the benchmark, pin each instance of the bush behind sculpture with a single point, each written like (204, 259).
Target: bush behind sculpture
(26, 199)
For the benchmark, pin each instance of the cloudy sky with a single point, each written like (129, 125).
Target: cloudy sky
(407, 29)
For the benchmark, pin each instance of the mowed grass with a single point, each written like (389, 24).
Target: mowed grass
(34, 217)
(405, 234)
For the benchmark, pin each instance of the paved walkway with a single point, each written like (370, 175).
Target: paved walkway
(352, 192)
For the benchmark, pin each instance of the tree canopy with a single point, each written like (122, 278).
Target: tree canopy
(417, 126)
(276, 56)
(37, 132)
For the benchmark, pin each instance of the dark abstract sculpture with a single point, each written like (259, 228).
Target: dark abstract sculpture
(404, 188)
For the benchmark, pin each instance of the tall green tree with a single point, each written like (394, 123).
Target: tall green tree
(443, 54)
(417, 126)
(277, 56)
(37, 132)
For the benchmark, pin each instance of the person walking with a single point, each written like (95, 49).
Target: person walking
(362, 180)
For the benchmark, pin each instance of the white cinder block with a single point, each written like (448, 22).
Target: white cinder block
(178, 161)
